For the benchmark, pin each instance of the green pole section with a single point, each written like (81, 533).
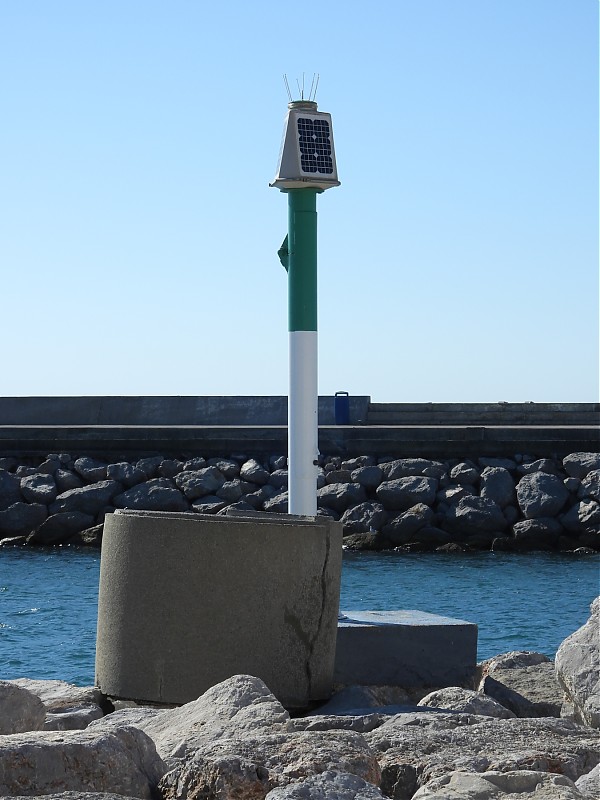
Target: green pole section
(302, 259)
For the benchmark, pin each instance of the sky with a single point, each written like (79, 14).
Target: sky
(458, 260)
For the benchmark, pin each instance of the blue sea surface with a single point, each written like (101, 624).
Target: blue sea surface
(48, 601)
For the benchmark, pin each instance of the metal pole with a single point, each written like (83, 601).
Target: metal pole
(303, 385)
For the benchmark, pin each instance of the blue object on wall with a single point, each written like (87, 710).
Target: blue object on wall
(341, 408)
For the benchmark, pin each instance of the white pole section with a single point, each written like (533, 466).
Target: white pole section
(303, 423)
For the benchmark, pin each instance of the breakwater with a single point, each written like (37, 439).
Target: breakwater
(415, 504)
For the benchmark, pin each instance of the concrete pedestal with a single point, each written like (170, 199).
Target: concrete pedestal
(411, 649)
(188, 600)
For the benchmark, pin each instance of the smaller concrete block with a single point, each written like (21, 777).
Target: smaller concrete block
(404, 648)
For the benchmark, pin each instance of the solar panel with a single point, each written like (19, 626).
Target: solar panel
(315, 146)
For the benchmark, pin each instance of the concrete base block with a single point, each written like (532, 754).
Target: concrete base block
(188, 600)
(404, 648)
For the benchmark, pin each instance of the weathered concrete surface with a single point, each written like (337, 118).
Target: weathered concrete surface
(210, 597)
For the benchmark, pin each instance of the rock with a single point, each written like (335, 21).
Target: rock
(541, 465)
(60, 695)
(279, 479)
(65, 479)
(466, 701)
(8, 463)
(577, 465)
(402, 493)
(464, 472)
(49, 466)
(504, 463)
(416, 748)
(370, 477)
(73, 719)
(589, 784)
(20, 710)
(90, 537)
(338, 476)
(578, 669)
(497, 485)
(91, 469)
(360, 723)
(403, 528)
(589, 486)
(329, 785)
(241, 507)
(277, 504)
(234, 490)
(199, 483)
(89, 499)
(210, 504)
(452, 494)
(248, 768)
(10, 489)
(541, 495)
(278, 462)
(169, 468)
(408, 467)
(124, 762)
(366, 541)
(151, 465)
(239, 707)
(253, 472)
(473, 515)
(126, 474)
(23, 472)
(39, 488)
(340, 496)
(516, 659)
(20, 519)
(58, 528)
(228, 467)
(531, 691)
(157, 494)
(13, 541)
(364, 517)
(494, 785)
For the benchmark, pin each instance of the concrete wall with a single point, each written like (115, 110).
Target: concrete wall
(163, 410)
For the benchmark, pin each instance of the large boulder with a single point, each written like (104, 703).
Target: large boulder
(493, 785)
(20, 710)
(497, 484)
(400, 494)
(89, 499)
(465, 701)
(403, 528)
(157, 494)
(340, 496)
(577, 465)
(126, 474)
(364, 517)
(67, 707)
(124, 762)
(541, 495)
(20, 519)
(472, 515)
(415, 748)
(91, 469)
(407, 467)
(253, 472)
(250, 767)
(58, 528)
(39, 488)
(330, 785)
(578, 669)
(589, 784)
(10, 489)
(200, 482)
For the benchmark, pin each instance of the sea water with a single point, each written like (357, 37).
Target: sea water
(48, 601)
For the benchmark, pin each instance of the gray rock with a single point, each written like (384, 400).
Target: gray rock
(578, 669)
(66, 479)
(473, 515)
(504, 463)
(279, 478)
(464, 473)
(253, 472)
(403, 528)
(19, 519)
(465, 701)
(369, 477)
(589, 784)
(494, 785)
(402, 493)
(516, 659)
(20, 710)
(60, 695)
(234, 490)
(49, 466)
(414, 749)
(364, 517)
(248, 768)
(73, 719)
(572, 485)
(278, 462)
(39, 488)
(511, 514)
(541, 495)
(89, 499)
(589, 516)
(541, 465)
(236, 508)
(8, 463)
(497, 485)
(340, 496)
(126, 474)
(409, 467)
(361, 723)
(277, 504)
(451, 494)
(200, 482)
(589, 486)
(23, 471)
(530, 691)
(211, 504)
(91, 469)
(169, 468)
(538, 534)
(577, 465)
(150, 465)
(357, 462)
(39, 763)
(338, 476)
(157, 494)
(329, 785)
(10, 489)
(58, 528)
(229, 468)
(90, 537)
